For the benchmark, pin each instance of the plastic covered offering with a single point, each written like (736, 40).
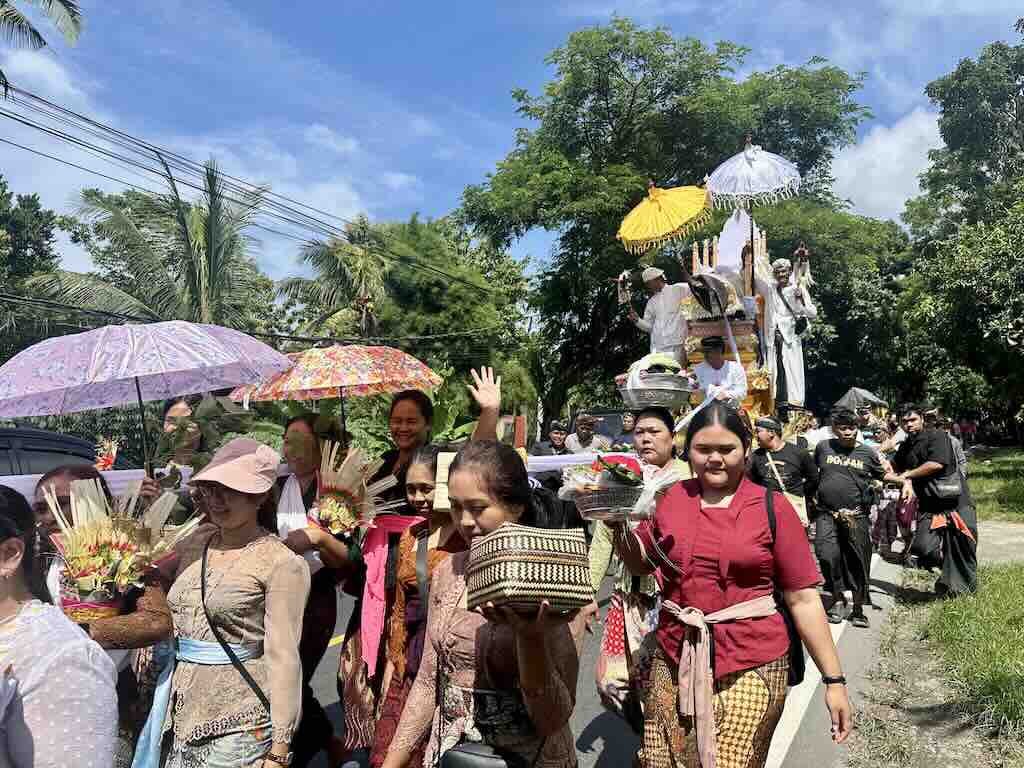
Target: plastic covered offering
(656, 380)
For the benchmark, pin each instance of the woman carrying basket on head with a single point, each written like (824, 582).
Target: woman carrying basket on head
(717, 704)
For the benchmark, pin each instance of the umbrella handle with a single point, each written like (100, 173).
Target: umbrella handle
(147, 458)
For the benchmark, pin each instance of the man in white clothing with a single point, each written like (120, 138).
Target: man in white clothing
(787, 312)
(727, 376)
(662, 318)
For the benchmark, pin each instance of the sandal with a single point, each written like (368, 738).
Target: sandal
(836, 614)
(859, 620)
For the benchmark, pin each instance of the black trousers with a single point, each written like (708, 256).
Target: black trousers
(947, 548)
(315, 729)
(843, 546)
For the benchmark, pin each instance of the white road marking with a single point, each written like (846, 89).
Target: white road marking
(799, 699)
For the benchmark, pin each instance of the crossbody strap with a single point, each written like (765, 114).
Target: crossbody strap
(782, 295)
(220, 638)
(775, 470)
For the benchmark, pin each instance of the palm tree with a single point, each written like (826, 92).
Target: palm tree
(350, 273)
(188, 261)
(17, 30)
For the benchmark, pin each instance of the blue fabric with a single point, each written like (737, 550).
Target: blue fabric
(147, 751)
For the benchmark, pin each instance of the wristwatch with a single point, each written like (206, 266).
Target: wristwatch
(838, 680)
(280, 760)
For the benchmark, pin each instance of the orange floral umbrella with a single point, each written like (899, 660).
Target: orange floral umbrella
(343, 371)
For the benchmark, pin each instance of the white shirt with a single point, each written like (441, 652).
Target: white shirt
(777, 315)
(64, 710)
(730, 377)
(662, 318)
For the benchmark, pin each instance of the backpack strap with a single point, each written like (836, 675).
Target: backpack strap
(769, 505)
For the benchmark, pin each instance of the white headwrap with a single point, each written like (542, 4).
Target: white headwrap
(782, 264)
(652, 273)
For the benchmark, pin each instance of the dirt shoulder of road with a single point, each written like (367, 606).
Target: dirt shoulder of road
(911, 717)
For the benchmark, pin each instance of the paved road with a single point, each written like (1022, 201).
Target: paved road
(605, 741)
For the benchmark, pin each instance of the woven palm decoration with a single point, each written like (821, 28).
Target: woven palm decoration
(519, 566)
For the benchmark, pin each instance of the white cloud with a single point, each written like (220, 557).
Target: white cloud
(879, 173)
(398, 181)
(422, 127)
(41, 73)
(320, 135)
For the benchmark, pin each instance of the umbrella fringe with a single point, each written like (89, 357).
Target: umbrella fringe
(723, 201)
(638, 247)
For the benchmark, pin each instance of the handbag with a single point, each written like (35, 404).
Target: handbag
(471, 754)
(520, 567)
(797, 660)
(948, 485)
(220, 638)
(802, 322)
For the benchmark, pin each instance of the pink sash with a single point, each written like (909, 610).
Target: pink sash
(375, 555)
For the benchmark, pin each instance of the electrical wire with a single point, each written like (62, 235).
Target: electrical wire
(287, 213)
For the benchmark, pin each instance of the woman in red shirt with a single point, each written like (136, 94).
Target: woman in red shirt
(718, 681)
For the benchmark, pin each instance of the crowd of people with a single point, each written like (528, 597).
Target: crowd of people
(748, 554)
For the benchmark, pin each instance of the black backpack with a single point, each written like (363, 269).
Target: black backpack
(797, 660)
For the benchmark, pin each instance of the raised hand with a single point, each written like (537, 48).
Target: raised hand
(486, 389)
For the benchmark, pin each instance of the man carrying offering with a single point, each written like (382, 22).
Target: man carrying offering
(662, 317)
(718, 377)
(843, 524)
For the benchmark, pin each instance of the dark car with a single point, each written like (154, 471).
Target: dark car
(27, 451)
(609, 421)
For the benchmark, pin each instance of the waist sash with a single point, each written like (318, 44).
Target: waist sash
(147, 751)
(696, 684)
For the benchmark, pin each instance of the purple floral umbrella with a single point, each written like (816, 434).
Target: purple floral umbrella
(123, 364)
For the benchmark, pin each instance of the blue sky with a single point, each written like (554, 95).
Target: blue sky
(393, 108)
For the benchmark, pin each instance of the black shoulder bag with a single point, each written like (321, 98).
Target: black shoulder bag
(801, 320)
(797, 661)
(945, 486)
(220, 638)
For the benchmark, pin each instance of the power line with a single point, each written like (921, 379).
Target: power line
(286, 213)
(58, 306)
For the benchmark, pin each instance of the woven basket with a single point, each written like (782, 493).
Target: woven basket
(659, 389)
(520, 566)
(88, 611)
(615, 503)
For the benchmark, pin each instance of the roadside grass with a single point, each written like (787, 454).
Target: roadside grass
(996, 479)
(979, 640)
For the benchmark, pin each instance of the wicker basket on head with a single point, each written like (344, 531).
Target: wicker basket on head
(665, 390)
(612, 503)
(519, 566)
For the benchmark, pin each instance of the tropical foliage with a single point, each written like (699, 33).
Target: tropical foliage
(161, 257)
(17, 29)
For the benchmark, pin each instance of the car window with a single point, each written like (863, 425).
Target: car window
(6, 459)
(41, 461)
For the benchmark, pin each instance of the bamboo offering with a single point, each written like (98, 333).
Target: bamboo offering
(345, 497)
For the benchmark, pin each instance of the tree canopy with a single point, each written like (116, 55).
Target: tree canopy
(628, 104)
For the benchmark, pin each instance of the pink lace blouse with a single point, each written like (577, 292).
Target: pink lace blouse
(473, 665)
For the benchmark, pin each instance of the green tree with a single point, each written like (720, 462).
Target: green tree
(27, 236)
(164, 258)
(970, 302)
(350, 274)
(973, 177)
(435, 293)
(17, 30)
(627, 105)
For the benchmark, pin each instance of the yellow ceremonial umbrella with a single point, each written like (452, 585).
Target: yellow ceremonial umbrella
(665, 214)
